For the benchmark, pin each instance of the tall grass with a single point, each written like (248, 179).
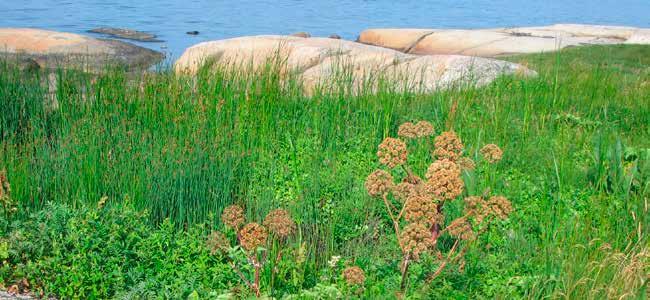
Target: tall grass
(184, 148)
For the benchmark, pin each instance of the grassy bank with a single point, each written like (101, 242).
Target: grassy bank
(166, 154)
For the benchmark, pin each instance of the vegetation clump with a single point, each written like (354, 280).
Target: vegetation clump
(419, 220)
(255, 243)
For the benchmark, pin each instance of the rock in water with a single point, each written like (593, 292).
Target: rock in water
(124, 33)
(193, 32)
(317, 60)
(51, 49)
(301, 34)
(501, 41)
(334, 36)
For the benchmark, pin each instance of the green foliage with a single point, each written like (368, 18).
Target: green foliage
(88, 253)
(575, 167)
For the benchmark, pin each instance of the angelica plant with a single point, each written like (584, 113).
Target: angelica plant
(253, 240)
(421, 220)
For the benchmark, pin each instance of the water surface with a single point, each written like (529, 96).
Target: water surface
(218, 19)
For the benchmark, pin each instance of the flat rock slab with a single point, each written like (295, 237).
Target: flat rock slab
(317, 60)
(124, 33)
(502, 41)
(51, 49)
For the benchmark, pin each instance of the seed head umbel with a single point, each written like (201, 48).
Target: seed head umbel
(500, 206)
(443, 179)
(354, 275)
(379, 183)
(416, 239)
(392, 152)
(492, 153)
(252, 236)
(476, 207)
(233, 216)
(423, 129)
(461, 228)
(5, 187)
(466, 163)
(407, 130)
(279, 222)
(448, 145)
(422, 209)
(217, 242)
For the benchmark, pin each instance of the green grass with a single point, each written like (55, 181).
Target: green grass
(576, 165)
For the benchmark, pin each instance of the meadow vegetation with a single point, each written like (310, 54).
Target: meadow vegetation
(234, 184)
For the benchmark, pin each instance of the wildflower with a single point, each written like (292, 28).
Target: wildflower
(466, 163)
(407, 130)
(461, 228)
(492, 153)
(379, 183)
(217, 242)
(233, 216)
(444, 179)
(392, 152)
(423, 129)
(354, 275)
(448, 145)
(334, 260)
(422, 209)
(252, 236)
(416, 239)
(279, 222)
(500, 206)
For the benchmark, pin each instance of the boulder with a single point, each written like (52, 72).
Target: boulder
(51, 49)
(128, 34)
(301, 34)
(318, 60)
(501, 41)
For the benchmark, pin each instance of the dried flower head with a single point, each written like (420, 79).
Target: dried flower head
(418, 130)
(217, 242)
(407, 130)
(499, 206)
(444, 179)
(422, 209)
(476, 207)
(448, 145)
(392, 152)
(233, 216)
(279, 222)
(492, 153)
(461, 228)
(5, 187)
(252, 236)
(466, 163)
(354, 275)
(416, 239)
(379, 183)
(423, 129)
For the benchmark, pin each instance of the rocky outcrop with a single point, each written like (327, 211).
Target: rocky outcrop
(317, 60)
(124, 33)
(51, 49)
(501, 41)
